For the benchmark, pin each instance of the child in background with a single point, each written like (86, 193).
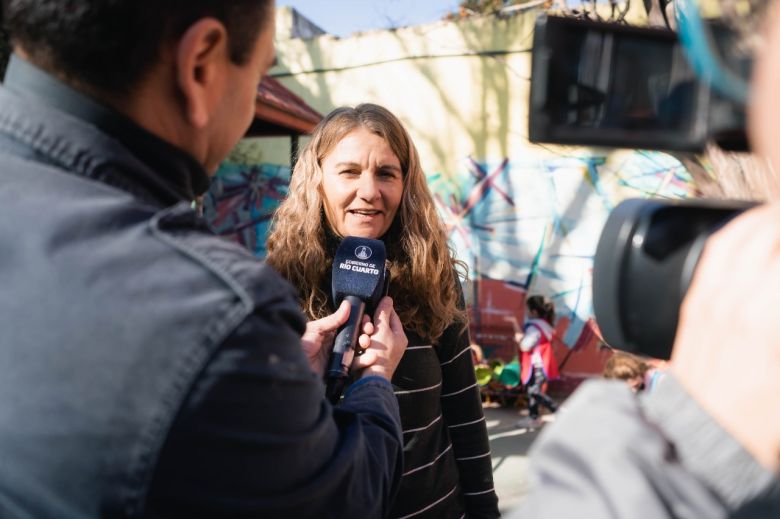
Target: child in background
(537, 362)
(638, 373)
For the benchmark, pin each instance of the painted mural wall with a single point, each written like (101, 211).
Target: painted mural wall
(531, 225)
(242, 199)
(525, 218)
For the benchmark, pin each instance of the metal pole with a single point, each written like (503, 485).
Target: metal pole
(293, 151)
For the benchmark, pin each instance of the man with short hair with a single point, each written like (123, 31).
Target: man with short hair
(148, 368)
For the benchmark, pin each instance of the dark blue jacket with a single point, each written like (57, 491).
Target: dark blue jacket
(146, 366)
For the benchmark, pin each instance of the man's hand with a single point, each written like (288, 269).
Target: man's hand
(317, 340)
(384, 341)
(727, 349)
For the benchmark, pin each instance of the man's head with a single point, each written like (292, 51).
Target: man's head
(110, 44)
(186, 70)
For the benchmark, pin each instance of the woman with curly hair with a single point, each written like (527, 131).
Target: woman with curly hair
(360, 175)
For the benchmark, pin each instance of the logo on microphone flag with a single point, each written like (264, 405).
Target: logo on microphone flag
(363, 252)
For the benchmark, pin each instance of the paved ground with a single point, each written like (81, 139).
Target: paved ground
(509, 447)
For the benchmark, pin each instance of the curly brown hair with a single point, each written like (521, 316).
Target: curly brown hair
(425, 276)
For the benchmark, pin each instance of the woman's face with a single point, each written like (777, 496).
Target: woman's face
(362, 185)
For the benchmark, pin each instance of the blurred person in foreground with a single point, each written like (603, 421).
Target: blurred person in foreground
(149, 368)
(706, 441)
(360, 175)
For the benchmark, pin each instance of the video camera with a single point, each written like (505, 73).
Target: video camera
(607, 84)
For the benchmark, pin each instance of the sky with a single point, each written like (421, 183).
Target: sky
(344, 17)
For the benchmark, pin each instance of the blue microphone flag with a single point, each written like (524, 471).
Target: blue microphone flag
(359, 270)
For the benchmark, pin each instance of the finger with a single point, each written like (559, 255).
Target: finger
(364, 341)
(395, 323)
(363, 361)
(333, 321)
(368, 326)
(383, 310)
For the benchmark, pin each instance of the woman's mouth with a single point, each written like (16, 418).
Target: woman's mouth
(364, 212)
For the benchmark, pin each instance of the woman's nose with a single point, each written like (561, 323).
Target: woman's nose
(367, 187)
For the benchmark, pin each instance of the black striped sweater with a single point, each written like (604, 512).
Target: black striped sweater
(447, 465)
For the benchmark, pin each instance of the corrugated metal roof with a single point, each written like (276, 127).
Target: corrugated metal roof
(280, 112)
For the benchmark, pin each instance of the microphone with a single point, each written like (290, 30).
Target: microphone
(360, 277)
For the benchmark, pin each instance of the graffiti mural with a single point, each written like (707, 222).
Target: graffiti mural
(522, 226)
(531, 226)
(242, 199)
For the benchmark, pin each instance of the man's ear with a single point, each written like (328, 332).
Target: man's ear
(201, 55)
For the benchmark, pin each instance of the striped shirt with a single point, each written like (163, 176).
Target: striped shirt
(447, 465)
(448, 472)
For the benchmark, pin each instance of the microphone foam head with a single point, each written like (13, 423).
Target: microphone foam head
(359, 270)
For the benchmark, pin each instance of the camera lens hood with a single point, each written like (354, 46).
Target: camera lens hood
(644, 262)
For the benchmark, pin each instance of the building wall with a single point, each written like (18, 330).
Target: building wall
(525, 218)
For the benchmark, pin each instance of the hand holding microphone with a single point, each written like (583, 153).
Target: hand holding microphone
(383, 340)
(386, 343)
(359, 277)
(317, 340)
